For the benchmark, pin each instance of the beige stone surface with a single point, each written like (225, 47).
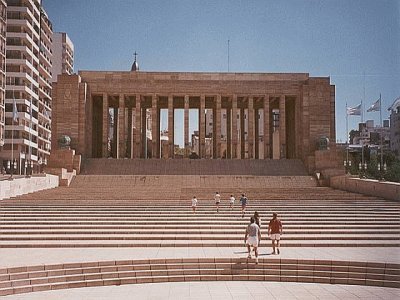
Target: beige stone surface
(218, 290)
(384, 189)
(290, 93)
(21, 186)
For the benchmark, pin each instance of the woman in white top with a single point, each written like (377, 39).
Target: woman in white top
(194, 204)
(231, 201)
(217, 199)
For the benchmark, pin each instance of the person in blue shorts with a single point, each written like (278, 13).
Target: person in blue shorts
(243, 201)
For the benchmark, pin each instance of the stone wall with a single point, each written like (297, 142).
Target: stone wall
(21, 186)
(69, 112)
(383, 189)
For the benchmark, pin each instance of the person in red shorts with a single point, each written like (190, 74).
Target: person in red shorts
(275, 231)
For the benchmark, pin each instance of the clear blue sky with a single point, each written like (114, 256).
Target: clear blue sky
(338, 38)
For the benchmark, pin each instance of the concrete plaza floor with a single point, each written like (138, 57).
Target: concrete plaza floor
(218, 290)
(15, 257)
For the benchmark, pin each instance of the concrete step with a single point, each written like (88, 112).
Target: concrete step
(74, 275)
(105, 166)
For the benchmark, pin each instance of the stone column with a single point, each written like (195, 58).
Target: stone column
(145, 127)
(266, 128)
(250, 128)
(154, 127)
(105, 126)
(282, 126)
(256, 134)
(170, 126)
(89, 128)
(186, 125)
(121, 152)
(242, 135)
(129, 128)
(138, 131)
(234, 127)
(217, 138)
(298, 127)
(228, 132)
(202, 126)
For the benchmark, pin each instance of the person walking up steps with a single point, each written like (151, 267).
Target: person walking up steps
(194, 204)
(252, 238)
(231, 201)
(217, 199)
(243, 201)
(257, 218)
(275, 231)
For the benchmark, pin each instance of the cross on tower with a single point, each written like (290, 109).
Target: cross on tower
(135, 55)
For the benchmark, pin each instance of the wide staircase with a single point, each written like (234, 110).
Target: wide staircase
(38, 278)
(256, 167)
(103, 211)
(154, 211)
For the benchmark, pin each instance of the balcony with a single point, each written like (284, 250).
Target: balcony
(44, 92)
(45, 70)
(44, 82)
(46, 59)
(22, 88)
(26, 24)
(25, 76)
(24, 36)
(23, 49)
(21, 9)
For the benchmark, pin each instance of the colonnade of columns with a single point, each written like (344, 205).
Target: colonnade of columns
(131, 112)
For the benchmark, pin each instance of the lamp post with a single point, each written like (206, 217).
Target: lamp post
(45, 162)
(12, 165)
(8, 166)
(347, 165)
(26, 169)
(363, 168)
(382, 170)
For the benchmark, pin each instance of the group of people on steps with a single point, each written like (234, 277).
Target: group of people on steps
(252, 236)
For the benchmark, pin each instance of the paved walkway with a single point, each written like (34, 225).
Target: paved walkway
(27, 257)
(218, 290)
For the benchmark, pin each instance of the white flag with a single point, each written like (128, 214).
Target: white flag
(376, 106)
(15, 111)
(354, 111)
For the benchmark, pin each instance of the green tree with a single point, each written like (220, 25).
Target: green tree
(393, 171)
(372, 167)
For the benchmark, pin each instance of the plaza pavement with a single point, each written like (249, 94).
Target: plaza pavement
(14, 257)
(223, 290)
(99, 212)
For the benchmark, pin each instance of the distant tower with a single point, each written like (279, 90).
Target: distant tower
(135, 65)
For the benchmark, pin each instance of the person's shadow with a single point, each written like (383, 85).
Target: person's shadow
(245, 252)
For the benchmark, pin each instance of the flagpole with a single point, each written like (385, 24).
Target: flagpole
(347, 136)
(12, 138)
(362, 107)
(380, 114)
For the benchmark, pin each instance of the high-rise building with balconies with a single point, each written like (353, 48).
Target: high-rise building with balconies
(3, 25)
(28, 83)
(395, 127)
(63, 55)
(45, 87)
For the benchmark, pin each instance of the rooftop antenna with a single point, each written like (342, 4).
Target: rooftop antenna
(228, 54)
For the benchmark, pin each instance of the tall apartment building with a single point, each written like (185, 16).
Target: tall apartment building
(63, 55)
(395, 127)
(3, 24)
(28, 81)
